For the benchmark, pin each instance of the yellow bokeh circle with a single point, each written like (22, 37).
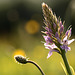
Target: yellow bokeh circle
(19, 52)
(32, 27)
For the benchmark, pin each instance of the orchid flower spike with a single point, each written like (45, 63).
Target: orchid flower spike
(56, 39)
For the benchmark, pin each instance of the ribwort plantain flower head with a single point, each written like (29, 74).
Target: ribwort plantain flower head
(56, 39)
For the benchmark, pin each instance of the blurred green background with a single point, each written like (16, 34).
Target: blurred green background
(21, 24)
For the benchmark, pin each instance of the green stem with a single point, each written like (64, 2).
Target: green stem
(66, 63)
(36, 66)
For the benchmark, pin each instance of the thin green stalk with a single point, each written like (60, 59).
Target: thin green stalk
(36, 66)
(66, 63)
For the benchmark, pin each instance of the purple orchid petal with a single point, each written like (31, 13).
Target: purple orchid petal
(45, 37)
(54, 46)
(60, 23)
(65, 47)
(54, 26)
(47, 42)
(62, 47)
(49, 34)
(59, 40)
(65, 38)
(50, 53)
(69, 48)
(48, 39)
(56, 35)
(48, 29)
(47, 47)
(61, 29)
(50, 46)
(68, 32)
(70, 41)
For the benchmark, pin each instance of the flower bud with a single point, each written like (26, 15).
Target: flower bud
(60, 23)
(20, 59)
(48, 29)
(61, 29)
(56, 35)
(68, 32)
(54, 26)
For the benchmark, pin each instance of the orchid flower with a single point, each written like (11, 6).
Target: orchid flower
(55, 32)
(66, 41)
(65, 44)
(56, 40)
(52, 48)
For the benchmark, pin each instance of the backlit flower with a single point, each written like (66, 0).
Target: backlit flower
(56, 40)
(66, 41)
(52, 48)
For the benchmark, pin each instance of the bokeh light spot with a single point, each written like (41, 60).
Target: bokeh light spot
(19, 52)
(32, 27)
